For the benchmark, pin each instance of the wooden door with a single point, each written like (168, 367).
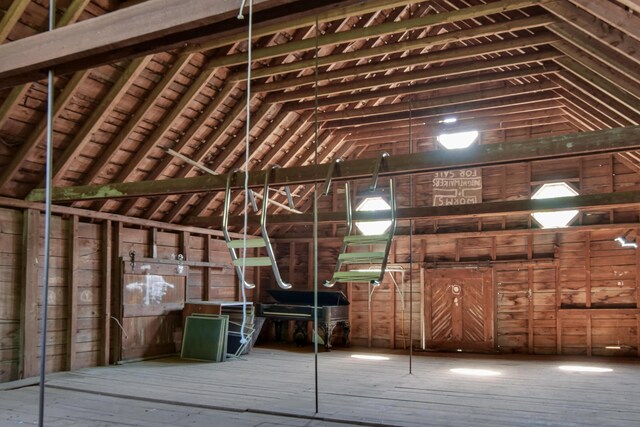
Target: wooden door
(153, 296)
(459, 309)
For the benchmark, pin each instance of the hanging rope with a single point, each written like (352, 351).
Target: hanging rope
(243, 337)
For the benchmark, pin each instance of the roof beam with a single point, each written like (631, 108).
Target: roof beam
(613, 15)
(608, 141)
(372, 31)
(140, 30)
(599, 30)
(409, 61)
(477, 210)
(527, 97)
(401, 46)
(11, 17)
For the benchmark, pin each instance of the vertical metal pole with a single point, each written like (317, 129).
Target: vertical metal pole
(411, 244)
(47, 225)
(315, 232)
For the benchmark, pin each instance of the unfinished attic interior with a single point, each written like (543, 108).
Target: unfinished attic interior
(373, 212)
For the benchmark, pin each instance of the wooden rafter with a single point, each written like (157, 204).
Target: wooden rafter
(11, 17)
(613, 15)
(167, 25)
(64, 161)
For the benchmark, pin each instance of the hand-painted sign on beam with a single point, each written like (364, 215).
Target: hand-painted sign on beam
(457, 187)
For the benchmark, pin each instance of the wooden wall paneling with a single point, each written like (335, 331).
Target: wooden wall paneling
(12, 265)
(89, 280)
(512, 284)
(206, 283)
(29, 301)
(116, 302)
(107, 268)
(72, 304)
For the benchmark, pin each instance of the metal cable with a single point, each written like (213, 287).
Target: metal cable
(243, 338)
(315, 229)
(410, 243)
(47, 225)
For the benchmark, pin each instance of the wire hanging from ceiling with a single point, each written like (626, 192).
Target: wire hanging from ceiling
(47, 225)
(243, 338)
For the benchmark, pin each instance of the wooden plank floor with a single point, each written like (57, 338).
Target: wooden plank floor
(275, 387)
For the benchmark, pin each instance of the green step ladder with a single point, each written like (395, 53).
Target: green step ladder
(358, 264)
(260, 242)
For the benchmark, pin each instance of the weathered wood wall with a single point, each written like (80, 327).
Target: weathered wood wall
(555, 292)
(84, 283)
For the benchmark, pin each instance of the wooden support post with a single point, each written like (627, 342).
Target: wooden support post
(558, 305)
(423, 340)
(185, 237)
(587, 268)
(311, 259)
(72, 299)
(106, 265)
(427, 312)
(530, 329)
(116, 302)
(206, 279)
(392, 301)
(29, 301)
(589, 338)
(292, 261)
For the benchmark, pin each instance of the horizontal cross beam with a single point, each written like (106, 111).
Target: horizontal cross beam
(580, 144)
(477, 210)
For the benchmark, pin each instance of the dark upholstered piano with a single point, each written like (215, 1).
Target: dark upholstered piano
(298, 305)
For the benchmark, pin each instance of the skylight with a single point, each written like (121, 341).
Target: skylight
(372, 228)
(557, 218)
(454, 141)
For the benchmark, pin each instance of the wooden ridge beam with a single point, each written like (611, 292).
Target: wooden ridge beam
(167, 25)
(608, 141)
(478, 210)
